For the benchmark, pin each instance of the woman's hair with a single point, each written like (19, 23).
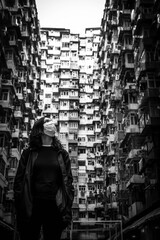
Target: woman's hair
(35, 140)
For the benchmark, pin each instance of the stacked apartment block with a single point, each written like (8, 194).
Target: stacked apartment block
(70, 96)
(129, 60)
(19, 93)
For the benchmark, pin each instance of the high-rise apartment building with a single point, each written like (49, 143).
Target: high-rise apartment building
(70, 95)
(19, 94)
(130, 90)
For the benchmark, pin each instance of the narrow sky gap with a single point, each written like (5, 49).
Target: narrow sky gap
(75, 15)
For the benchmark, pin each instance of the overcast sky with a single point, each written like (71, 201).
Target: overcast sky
(75, 15)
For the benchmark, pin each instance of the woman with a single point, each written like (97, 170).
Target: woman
(44, 169)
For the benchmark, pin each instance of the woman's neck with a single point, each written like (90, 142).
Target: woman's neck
(46, 140)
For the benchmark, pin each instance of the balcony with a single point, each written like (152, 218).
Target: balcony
(90, 132)
(25, 33)
(82, 156)
(135, 179)
(122, 30)
(112, 170)
(64, 76)
(99, 178)
(135, 208)
(12, 65)
(83, 144)
(5, 127)
(134, 153)
(20, 96)
(9, 195)
(110, 138)
(90, 144)
(154, 65)
(127, 47)
(18, 114)
(64, 97)
(98, 166)
(132, 106)
(91, 207)
(73, 97)
(72, 140)
(119, 135)
(113, 205)
(73, 118)
(90, 167)
(8, 83)
(148, 122)
(87, 229)
(63, 118)
(89, 111)
(64, 107)
(25, 134)
(15, 153)
(6, 104)
(82, 206)
(132, 129)
(12, 172)
(74, 66)
(112, 188)
(1, 211)
(149, 93)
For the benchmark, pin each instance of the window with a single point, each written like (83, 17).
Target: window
(133, 118)
(91, 214)
(10, 3)
(90, 163)
(130, 58)
(63, 124)
(128, 40)
(82, 214)
(91, 201)
(62, 135)
(65, 45)
(81, 139)
(91, 139)
(126, 23)
(147, 10)
(91, 188)
(81, 150)
(2, 140)
(90, 128)
(2, 166)
(4, 95)
(73, 125)
(82, 188)
(133, 98)
(9, 54)
(82, 200)
(81, 163)
(149, 56)
(47, 95)
(47, 106)
(82, 128)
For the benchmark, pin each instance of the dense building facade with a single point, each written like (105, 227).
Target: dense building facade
(70, 96)
(103, 92)
(19, 93)
(130, 113)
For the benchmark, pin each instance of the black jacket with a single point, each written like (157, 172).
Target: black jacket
(22, 184)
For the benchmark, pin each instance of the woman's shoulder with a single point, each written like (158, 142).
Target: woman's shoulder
(65, 154)
(26, 151)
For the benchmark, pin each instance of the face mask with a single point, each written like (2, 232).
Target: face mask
(49, 128)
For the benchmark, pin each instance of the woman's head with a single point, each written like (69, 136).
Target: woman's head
(43, 126)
